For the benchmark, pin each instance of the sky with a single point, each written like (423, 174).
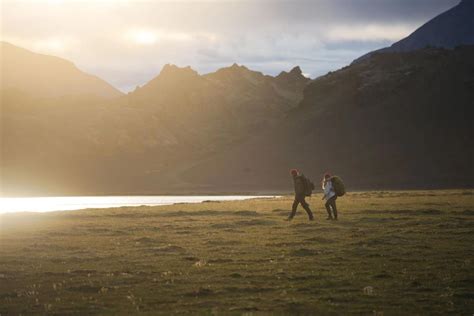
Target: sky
(127, 42)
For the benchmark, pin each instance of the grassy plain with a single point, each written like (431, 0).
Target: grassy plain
(391, 253)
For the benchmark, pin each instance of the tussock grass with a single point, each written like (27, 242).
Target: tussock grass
(390, 253)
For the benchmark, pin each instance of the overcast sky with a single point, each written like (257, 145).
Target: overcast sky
(128, 42)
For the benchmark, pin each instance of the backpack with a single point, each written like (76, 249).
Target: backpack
(308, 186)
(338, 185)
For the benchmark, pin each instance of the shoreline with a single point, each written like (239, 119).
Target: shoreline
(241, 192)
(239, 197)
(71, 203)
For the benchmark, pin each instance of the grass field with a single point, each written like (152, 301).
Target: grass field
(390, 253)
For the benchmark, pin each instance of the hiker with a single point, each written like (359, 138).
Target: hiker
(300, 194)
(330, 196)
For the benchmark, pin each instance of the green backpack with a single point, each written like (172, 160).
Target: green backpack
(338, 186)
(308, 186)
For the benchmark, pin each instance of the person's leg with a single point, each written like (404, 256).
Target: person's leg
(328, 209)
(293, 208)
(307, 209)
(333, 206)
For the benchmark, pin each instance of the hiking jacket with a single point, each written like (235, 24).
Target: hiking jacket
(328, 190)
(299, 185)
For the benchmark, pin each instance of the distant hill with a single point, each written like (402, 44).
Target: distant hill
(450, 29)
(395, 120)
(141, 141)
(47, 76)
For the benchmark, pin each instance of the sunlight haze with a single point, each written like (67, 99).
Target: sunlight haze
(236, 157)
(127, 42)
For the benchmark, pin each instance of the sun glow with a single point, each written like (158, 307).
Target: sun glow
(153, 36)
(52, 45)
(143, 37)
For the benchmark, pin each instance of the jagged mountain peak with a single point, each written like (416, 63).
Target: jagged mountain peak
(294, 72)
(236, 73)
(294, 75)
(235, 68)
(171, 77)
(170, 69)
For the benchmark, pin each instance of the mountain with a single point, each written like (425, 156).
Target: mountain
(140, 142)
(450, 29)
(395, 120)
(47, 76)
(217, 109)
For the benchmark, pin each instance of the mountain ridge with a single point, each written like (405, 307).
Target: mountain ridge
(449, 29)
(48, 76)
(395, 120)
(378, 123)
(176, 119)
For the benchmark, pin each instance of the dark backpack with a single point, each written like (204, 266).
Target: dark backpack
(338, 186)
(308, 186)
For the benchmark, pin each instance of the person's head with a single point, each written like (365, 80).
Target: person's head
(294, 172)
(327, 176)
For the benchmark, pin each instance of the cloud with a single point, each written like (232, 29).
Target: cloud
(127, 42)
(369, 32)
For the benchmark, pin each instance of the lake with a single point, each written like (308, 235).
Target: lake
(68, 203)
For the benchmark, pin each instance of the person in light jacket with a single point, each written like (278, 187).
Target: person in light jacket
(330, 197)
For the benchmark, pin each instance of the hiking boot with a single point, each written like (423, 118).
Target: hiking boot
(329, 218)
(311, 218)
(289, 219)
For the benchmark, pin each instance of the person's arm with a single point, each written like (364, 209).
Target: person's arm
(325, 193)
(331, 189)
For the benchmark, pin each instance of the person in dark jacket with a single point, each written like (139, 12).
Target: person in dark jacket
(299, 183)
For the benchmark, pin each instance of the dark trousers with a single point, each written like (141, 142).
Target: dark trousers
(300, 200)
(331, 204)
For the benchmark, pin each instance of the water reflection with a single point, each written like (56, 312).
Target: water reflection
(66, 203)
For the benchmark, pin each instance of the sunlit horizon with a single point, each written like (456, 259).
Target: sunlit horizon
(70, 203)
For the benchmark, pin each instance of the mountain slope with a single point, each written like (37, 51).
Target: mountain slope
(139, 142)
(217, 108)
(450, 29)
(47, 76)
(396, 120)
